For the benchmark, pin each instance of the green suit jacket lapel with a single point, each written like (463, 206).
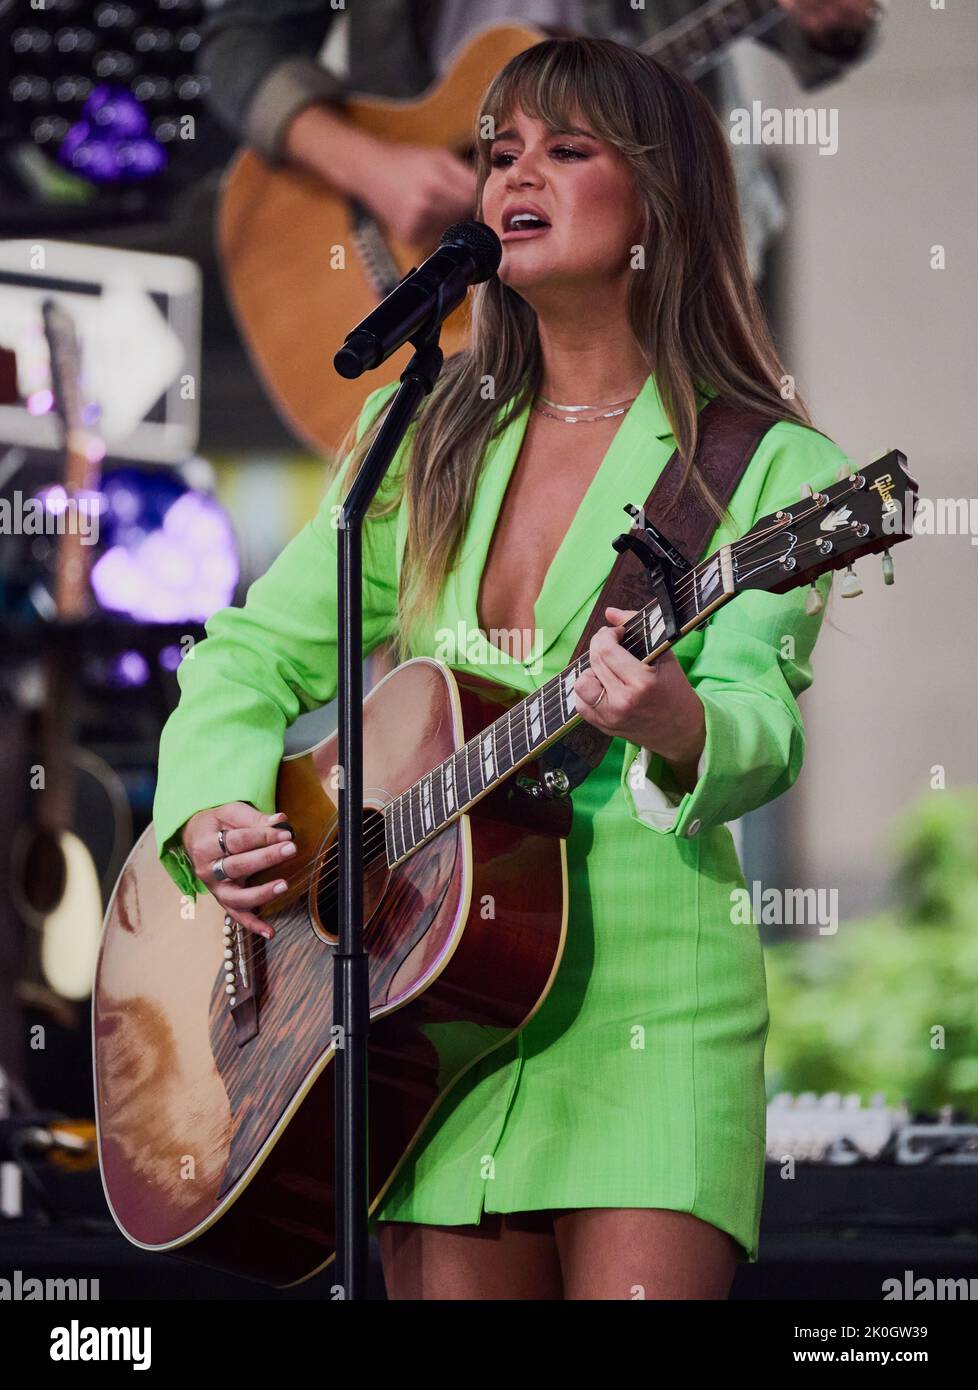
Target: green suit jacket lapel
(635, 458)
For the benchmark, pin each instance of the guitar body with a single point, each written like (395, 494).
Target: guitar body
(70, 933)
(278, 229)
(216, 1126)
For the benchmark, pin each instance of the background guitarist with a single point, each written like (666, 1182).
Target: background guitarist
(268, 87)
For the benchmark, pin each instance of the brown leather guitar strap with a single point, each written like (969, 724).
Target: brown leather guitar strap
(728, 436)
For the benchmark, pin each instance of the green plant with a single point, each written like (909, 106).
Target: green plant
(889, 1004)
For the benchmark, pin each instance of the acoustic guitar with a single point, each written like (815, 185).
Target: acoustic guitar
(213, 1047)
(279, 228)
(55, 881)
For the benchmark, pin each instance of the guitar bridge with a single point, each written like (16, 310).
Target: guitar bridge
(241, 958)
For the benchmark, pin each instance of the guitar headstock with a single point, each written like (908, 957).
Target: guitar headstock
(864, 513)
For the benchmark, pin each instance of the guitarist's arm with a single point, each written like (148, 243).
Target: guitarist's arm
(259, 59)
(265, 85)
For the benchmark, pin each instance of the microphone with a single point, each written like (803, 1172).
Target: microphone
(467, 254)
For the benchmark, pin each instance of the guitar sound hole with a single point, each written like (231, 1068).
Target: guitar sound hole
(375, 875)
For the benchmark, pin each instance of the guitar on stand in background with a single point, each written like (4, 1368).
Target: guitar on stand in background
(55, 883)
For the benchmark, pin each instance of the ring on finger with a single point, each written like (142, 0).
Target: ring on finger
(219, 871)
(604, 691)
(222, 842)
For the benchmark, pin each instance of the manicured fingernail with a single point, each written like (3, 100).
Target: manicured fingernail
(281, 886)
(288, 849)
(282, 835)
(268, 933)
(276, 815)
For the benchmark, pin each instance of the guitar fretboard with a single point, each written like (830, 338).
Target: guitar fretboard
(699, 41)
(538, 720)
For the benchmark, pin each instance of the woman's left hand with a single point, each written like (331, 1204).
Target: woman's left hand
(653, 706)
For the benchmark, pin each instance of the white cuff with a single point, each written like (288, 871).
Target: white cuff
(653, 804)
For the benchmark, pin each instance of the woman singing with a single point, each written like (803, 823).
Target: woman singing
(614, 1146)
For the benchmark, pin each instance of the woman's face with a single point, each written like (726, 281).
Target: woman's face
(584, 189)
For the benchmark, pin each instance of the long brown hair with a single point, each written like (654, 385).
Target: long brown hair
(693, 308)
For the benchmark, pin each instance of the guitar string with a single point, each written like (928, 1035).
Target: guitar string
(375, 839)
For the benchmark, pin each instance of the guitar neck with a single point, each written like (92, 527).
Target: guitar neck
(74, 553)
(698, 42)
(537, 721)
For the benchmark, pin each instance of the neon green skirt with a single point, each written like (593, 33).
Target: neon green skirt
(640, 1080)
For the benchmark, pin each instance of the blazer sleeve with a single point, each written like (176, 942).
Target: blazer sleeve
(263, 664)
(748, 664)
(259, 59)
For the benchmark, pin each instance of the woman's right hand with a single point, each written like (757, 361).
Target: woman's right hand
(254, 842)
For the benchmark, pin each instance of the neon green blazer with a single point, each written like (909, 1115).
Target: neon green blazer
(263, 664)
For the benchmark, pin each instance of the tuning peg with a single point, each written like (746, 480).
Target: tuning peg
(814, 602)
(806, 489)
(850, 587)
(887, 567)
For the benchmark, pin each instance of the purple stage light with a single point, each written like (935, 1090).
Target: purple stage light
(170, 553)
(110, 142)
(128, 669)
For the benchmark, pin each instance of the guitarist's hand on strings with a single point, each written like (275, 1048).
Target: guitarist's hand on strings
(238, 841)
(652, 706)
(416, 190)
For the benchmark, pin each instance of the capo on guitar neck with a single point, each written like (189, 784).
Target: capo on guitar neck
(663, 563)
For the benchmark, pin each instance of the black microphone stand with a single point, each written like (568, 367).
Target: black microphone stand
(351, 994)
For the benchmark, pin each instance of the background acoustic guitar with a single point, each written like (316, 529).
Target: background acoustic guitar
(278, 228)
(55, 882)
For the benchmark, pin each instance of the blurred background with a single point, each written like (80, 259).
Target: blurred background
(135, 371)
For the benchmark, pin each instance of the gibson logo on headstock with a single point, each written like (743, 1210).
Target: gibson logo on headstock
(884, 486)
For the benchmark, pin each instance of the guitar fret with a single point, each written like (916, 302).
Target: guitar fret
(568, 698)
(417, 823)
(437, 796)
(546, 710)
(448, 787)
(473, 766)
(534, 713)
(486, 759)
(427, 818)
